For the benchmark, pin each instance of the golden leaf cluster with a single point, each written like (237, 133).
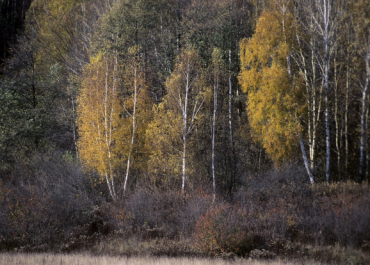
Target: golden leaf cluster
(272, 87)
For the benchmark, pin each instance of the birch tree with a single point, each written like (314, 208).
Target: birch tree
(348, 91)
(177, 117)
(97, 118)
(325, 25)
(134, 103)
(305, 56)
(274, 90)
(217, 64)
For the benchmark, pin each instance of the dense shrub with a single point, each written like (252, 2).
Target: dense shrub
(220, 230)
(280, 211)
(285, 210)
(44, 202)
(53, 203)
(153, 213)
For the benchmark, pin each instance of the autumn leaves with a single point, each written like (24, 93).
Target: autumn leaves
(131, 121)
(98, 117)
(115, 117)
(271, 89)
(275, 104)
(120, 127)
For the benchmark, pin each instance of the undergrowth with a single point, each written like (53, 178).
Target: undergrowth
(277, 214)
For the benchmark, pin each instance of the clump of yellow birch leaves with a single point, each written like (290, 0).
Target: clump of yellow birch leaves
(98, 116)
(113, 114)
(274, 90)
(175, 119)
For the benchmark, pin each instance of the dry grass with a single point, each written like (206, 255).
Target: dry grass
(84, 259)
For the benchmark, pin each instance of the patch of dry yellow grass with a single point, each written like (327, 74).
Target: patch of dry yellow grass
(84, 259)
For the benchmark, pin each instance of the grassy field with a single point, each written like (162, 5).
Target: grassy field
(84, 259)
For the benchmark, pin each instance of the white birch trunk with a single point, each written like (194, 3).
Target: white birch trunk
(325, 8)
(326, 76)
(346, 122)
(107, 178)
(325, 27)
(336, 119)
(363, 110)
(133, 128)
(303, 150)
(185, 129)
(327, 138)
(305, 160)
(312, 118)
(362, 137)
(230, 102)
(99, 143)
(108, 127)
(111, 122)
(367, 143)
(230, 123)
(315, 112)
(187, 93)
(215, 90)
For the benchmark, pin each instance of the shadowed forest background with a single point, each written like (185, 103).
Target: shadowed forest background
(186, 127)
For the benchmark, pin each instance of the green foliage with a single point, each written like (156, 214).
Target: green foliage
(29, 93)
(127, 24)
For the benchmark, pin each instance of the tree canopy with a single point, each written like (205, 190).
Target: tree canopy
(274, 88)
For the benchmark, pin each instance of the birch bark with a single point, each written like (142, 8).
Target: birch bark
(363, 112)
(305, 160)
(133, 129)
(325, 25)
(231, 132)
(184, 133)
(216, 58)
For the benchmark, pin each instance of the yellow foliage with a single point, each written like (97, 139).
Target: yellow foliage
(273, 92)
(164, 140)
(106, 111)
(166, 131)
(55, 22)
(133, 75)
(98, 115)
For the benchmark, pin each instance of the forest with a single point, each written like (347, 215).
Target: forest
(186, 128)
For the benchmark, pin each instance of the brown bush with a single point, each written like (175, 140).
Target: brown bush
(43, 203)
(154, 213)
(220, 230)
(285, 211)
(53, 204)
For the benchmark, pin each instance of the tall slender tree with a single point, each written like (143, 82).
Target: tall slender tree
(134, 100)
(178, 115)
(217, 68)
(274, 88)
(325, 24)
(98, 115)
